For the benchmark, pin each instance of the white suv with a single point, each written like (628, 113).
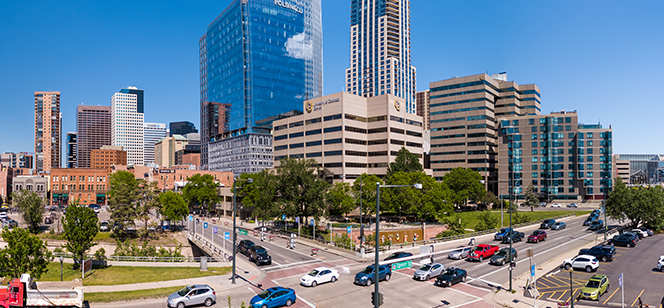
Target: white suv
(586, 262)
(660, 264)
(639, 231)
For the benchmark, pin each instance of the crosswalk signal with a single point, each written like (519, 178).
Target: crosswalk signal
(373, 297)
(512, 265)
(378, 298)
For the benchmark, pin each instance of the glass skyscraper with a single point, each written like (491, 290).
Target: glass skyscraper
(261, 58)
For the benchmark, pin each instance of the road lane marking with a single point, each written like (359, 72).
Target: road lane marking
(252, 291)
(304, 301)
(291, 264)
(614, 292)
(637, 298)
(572, 297)
(561, 295)
(464, 304)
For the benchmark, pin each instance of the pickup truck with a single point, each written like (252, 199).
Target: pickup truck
(482, 251)
(604, 253)
(501, 233)
(25, 292)
(514, 236)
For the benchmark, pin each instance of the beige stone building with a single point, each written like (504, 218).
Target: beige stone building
(165, 148)
(48, 124)
(349, 134)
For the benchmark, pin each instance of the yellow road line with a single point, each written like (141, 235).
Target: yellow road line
(561, 280)
(542, 294)
(561, 295)
(614, 292)
(637, 298)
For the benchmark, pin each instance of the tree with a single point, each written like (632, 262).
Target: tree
(466, 185)
(32, 208)
(405, 162)
(122, 198)
(173, 207)
(531, 197)
(301, 187)
(259, 195)
(80, 228)
(427, 203)
(489, 198)
(339, 199)
(24, 253)
(148, 199)
(455, 226)
(638, 204)
(201, 190)
(486, 221)
(367, 193)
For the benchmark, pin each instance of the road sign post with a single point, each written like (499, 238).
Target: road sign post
(313, 226)
(401, 265)
(227, 236)
(622, 289)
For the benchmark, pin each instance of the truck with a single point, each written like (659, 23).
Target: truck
(24, 292)
(482, 251)
(501, 233)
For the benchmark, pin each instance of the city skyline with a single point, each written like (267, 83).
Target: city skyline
(608, 47)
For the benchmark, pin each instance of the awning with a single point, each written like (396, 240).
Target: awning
(101, 195)
(56, 195)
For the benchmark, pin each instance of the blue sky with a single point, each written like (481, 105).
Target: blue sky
(604, 59)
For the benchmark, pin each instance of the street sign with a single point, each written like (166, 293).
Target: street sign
(529, 253)
(620, 280)
(205, 225)
(348, 229)
(227, 235)
(283, 217)
(297, 219)
(214, 230)
(312, 222)
(243, 232)
(191, 217)
(401, 265)
(532, 270)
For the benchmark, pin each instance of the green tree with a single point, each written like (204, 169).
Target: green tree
(404, 162)
(455, 226)
(427, 203)
(24, 253)
(465, 183)
(80, 228)
(486, 221)
(201, 190)
(148, 200)
(259, 195)
(301, 187)
(339, 199)
(32, 208)
(173, 207)
(123, 194)
(367, 193)
(489, 199)
(531, 197)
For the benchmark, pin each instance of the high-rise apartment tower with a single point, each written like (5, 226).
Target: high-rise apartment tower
(127, 124)
(70, 144)
(152, 132)
(93, 128)
(48, 135)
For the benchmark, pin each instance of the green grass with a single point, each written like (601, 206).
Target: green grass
(107, 297)
(114, 275)
(471, 217)
(100, 237)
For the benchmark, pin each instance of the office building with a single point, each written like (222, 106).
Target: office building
(621, 169)
(262, 58)
(193, 139)
(562, 158)
(84, 185)
(643, 166)
(181, 128)
(48, 123)
(32, 184)
(380, 50)
(175, 177)
(463, 121)
(214, 125)
(348, 134)
(6, 175)
(70, 145)
(17, 160)
(165, 150)
(127, 124)
(190, 155)
(152, 132)
(93, 129)
(108, 156)
(422, 103)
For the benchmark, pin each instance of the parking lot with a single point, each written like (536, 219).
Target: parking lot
(640, 277)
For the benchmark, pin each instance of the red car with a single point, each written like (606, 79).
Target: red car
(537, 236)
(481, 252)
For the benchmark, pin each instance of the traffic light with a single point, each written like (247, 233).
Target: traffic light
(512, 265)
(373, 297)
(378, 298)
(361, 233)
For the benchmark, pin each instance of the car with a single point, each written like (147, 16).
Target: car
(650, 232)
(537, 236)
(559, 225)
(595, 287)
(195, 294)
(547, 223)
(589, 220)
(274, 297)
(459, 253)
(9, 223)
(574, 205)
(427, 271)
(595, 212)
(623, 240)
(244, 245)
(104, 226)
(602, 252)
(596, 225)
(632, 235)
(556, 205)
(542, 204)
(514, 236)
(95, 207)
(499, 236)
(3, 214)
(501, 257)
(586, 262)
(258, 255)
(319, 275)
(398, 255)
(48, 220)
(368, 275)
(640, 233)
(451, 276)
(660, 264)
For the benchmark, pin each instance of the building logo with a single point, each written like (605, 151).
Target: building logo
(288, 5)
(397, 105)
(308, 106)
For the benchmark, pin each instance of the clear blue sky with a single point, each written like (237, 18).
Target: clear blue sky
(602, 58)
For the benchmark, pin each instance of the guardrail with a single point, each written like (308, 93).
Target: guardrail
(139, 259)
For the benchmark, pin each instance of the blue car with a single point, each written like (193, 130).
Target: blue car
(368, 275)
(501, 233)
(274, 297)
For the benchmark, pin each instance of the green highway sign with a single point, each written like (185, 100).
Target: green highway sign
(243, 232)
(401, 265)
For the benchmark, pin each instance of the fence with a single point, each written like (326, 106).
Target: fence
(139, 259)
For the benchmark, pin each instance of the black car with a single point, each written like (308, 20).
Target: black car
(515, 236)
(259, 255)
(244, 246)
(596, 225)
(589, 220)
(451, 276)
(632, 235)
(601, 252)
(623, 240)
(397, 255)
(501, 257)
(547, 223)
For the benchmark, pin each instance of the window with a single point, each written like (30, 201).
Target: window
(295, 135)
(332, 129)
(333, 153)
(333, 141)
(295, 124)
(312, 121)
(312, 143)
(313, 132)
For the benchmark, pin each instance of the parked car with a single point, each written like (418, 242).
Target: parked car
(9, 223)
(542, 204)
(559, 225)
(514, 236)
(586, 262)
(602, 252)
(556, 205)
(650, 232)
(459, 253)
(451, 276)
(244, 245)
(482, 251)
(595, 287)
(499, 236)
(589, 220)
(502, 257)
(427, 271)
(258, 255)
(632, 235)
(597, 225)
(193, 295)
(319, 275)
(623, 240)
(397, 255)
(660, 264)
(574, 205)
(368, 275)
(547, 223)
(537, 236)
(104, 226)
(640, 233)
(3, 214)
(274, 297)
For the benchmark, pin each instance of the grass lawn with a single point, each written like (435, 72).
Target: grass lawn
(471, 217)
(100, 237)
(106, 297)
(113, 275)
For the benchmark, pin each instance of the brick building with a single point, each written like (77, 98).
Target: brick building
(85, 185)
(107, 156)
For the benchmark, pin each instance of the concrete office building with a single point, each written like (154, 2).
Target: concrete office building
(127, 124)
(93, 129)
(463, 118)
(349, 134)
(70, 144)
(621, 168)
(380, 50)
(48, 133)
(17, 160)
(422, 100)
(152, 133)
(261, 58)
(165, 150)
(561, 158)
(108, 156)
(181, 128)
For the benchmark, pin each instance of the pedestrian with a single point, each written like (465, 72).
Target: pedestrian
(640, 303)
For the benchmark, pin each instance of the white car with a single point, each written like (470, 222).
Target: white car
(587, 262)
(660, 264)
(319, 275)
(639, 231)
(556, 205)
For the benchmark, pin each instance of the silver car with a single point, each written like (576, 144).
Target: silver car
(193, 295)
(459, 253)
(558, 225)
(428, 271)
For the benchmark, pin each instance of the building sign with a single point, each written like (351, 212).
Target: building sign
(397, 105)
(288, 5)
(309, 106)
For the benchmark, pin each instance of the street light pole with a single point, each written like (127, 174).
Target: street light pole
(571, 294)
(249, 180)
(361, 226)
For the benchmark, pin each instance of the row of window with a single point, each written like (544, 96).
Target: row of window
(350, 117)
(81, 187)
(81, 178)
